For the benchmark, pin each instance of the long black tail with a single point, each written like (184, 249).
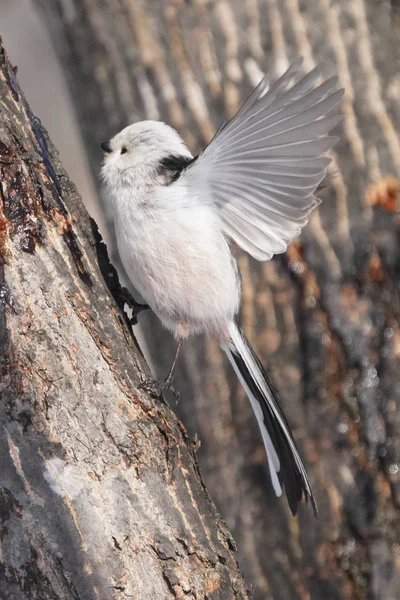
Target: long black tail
(285, 464)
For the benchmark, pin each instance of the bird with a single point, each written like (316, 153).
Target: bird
(177, 216)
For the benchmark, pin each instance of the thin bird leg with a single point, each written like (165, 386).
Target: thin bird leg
(178, 347)
(166, 384)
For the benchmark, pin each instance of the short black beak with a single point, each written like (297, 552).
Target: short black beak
(106, 146)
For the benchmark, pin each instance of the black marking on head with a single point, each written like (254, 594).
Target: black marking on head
(171, 167)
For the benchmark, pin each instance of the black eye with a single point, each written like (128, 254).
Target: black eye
(124, 149)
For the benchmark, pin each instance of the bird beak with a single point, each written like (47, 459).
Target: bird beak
(106, 146)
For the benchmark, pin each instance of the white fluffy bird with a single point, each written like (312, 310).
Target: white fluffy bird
(174, 216)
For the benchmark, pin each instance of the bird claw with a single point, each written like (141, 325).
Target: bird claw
(159, 387)
(136, 309)
(125, 297)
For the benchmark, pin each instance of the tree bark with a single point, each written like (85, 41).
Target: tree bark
(325, 317)
(100, 493)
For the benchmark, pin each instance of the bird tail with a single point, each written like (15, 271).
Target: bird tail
(285, 465)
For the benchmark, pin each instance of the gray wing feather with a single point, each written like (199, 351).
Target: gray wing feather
(262, 167)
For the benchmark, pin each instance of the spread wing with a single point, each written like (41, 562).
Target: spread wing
(262, 167)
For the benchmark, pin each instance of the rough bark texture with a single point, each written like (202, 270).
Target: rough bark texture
(325, 317)
(100, 494)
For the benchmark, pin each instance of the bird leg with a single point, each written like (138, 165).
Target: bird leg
(178, 347)
(165, 384)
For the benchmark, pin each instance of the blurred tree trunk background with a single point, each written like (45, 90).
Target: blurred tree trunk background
(324, 317)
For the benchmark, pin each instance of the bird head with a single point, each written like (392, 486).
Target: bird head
(138, 151)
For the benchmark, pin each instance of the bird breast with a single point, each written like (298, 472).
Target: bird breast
(181, 263)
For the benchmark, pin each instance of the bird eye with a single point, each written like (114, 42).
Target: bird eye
(124, 149)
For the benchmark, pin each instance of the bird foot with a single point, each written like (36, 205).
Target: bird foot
(125, 297)
(136, 309)
(159, 387)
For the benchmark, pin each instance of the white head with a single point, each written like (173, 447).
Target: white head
(138, 152)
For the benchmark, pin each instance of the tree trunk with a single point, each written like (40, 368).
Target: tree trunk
(100, 493)
(325, 317)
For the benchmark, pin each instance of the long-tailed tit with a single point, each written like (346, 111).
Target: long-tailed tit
(175, 214)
